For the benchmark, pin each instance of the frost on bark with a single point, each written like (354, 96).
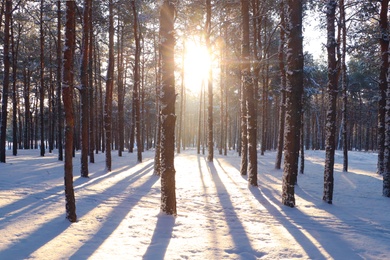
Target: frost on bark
(332, 89)
(282, 69)
(109, 87)
(384, 84)
(294, 90)
(248, 88)
(67, 95)
(168, 117)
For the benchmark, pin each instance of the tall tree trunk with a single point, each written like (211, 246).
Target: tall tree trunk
(344, 86)
(384, 84)
(168, 118)
(67, 93)
(330, 127)
(92, 101)
(282, 109)
(210, 138)
(42, 85)
(180, 125)
(247, 83)
(7, 64)
(121, 113)
(109, 87)
(137, 82)
(294, 90)
(59, 71)
(84, 91)
(15, 51)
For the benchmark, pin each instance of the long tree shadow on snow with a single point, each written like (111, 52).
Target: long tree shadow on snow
(239, 236)
(24, 247)
(120, 211)
(329, 241)
(161, 237)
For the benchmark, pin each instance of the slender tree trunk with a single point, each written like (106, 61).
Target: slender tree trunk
(344, 86)
(59, 87)
(180, 125)
(91, 99)
(84, 91)
(168, 118)
(6, 60)
(330, 127)
(42, 85)
(210, 138)
(121, 113)
(294, 90)
(109, 87)
(15, 51)
(384, 84)
(137, 82)
(67, 93)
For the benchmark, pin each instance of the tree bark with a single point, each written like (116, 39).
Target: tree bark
(42, 85)
(84, 91)
(332, 89)
(294, 90)
(7, 64)
(384, 84)
(67, 94)
(210, 138)
(59, 87)
(168, 117)
(109, 87)
(247, 83)
(282, 109)
(137, 81)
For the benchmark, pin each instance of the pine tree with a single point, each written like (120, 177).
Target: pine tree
(332, 89)
(168, 117)
(294, 91)
(67, 93)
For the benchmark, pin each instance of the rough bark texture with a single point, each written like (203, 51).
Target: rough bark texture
(282, 109)
(384, 84)
(247, 83)
(294, 90)
(168, 117)
(84, 91)
(109, 88)
(332, 89)
(7, 64)
(67, 94)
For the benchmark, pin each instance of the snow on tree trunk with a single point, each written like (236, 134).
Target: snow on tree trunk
(384, 85)
(332, 89)
(247, 87)
(294, 90)
(168, 117)
(282, 88)
(67, 94)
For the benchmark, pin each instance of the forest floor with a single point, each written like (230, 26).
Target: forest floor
(219, 216)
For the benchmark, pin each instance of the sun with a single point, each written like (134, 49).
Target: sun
(196, 66)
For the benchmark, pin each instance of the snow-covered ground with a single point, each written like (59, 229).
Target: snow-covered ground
(219, 217)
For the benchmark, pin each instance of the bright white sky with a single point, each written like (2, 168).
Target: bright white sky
(314, 39)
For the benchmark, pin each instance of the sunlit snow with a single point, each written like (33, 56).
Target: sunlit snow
(219, 217)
